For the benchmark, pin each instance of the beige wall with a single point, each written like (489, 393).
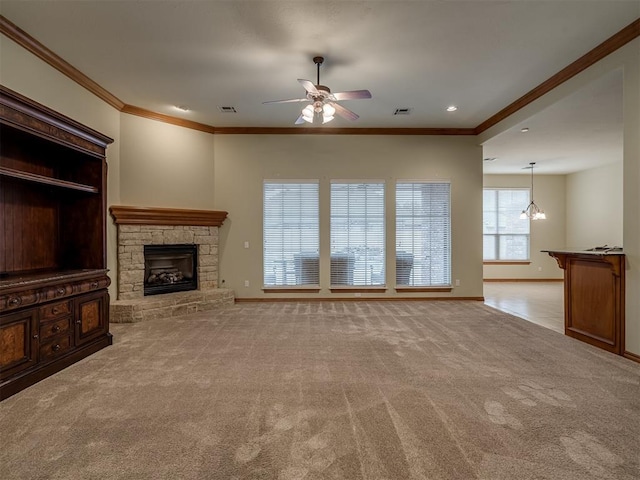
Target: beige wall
(26, 74)
(165, 165)
(389, 157)
(243, 162)
(629, 57)
(544, 234)
(594, 207)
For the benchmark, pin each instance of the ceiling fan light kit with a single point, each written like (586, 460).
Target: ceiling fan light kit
(324, 106)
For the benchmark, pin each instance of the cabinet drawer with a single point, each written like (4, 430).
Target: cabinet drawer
(55, 327)
(90, 285)
(56, 347)
(55, 310)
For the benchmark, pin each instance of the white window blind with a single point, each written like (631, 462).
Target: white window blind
(423, 234)
(505, 234)
(357, 233)
(291, 233)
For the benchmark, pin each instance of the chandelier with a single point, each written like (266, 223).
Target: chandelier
(532, 212)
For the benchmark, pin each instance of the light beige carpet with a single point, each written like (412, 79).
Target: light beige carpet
(367, 390)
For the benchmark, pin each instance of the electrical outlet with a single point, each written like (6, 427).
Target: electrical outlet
(457, 282)
(246, 244)
(539, 269)
(246, 283)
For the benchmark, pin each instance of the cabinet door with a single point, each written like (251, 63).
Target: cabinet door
(18, 342)
(91, 316)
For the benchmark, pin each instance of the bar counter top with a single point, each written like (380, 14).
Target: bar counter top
(594, 251)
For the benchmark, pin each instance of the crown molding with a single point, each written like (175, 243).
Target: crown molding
(624, 36)
(26, 41)
(613, 43)
(161, 117)
(341, 131)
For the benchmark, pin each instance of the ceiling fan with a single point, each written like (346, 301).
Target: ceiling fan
(324, 104)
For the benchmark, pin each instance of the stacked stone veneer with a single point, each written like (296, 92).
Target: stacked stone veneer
(133, 306)
(133, 238)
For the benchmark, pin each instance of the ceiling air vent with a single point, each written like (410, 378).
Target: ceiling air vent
(228, 109)
(402, 111)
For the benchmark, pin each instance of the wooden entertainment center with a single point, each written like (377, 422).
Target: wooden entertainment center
(54, 303)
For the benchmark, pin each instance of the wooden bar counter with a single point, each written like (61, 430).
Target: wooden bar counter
(594, 296)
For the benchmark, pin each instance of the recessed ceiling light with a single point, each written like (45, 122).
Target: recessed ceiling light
(451, 108)
(524, 129)
(182, 108)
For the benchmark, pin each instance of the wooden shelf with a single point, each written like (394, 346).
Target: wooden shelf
(53, 260)
(54, 182)
(39, 278)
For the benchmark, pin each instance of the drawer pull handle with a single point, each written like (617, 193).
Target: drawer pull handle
(55, 328)
(78, 322)
(94, 284)
(60, 291)
(56, 347)
(35, 335)
(55, 310)
(14, 301)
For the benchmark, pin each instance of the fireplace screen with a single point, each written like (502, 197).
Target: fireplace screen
(170, 268)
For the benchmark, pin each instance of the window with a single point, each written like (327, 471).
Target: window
(423, 234)
(505, 234)
(357, 233)
(290, 233)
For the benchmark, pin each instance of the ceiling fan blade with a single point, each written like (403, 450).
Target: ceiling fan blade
(352, 95)
(290, 100)
(299, 121)
(308, 86)
(345, 112)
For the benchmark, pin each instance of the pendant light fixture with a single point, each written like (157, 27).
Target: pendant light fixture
(532, 212)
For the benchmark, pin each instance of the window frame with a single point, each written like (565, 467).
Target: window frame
(497, 235)
(426, 217)
(380, 245)
(292, 266)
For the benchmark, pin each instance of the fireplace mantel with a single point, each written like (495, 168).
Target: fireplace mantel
(125, 215)
(142, 226)
(146, 226)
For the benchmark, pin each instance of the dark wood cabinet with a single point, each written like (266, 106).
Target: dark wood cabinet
(594, 302)
(18, 343)
(91, 317)
(54, 302)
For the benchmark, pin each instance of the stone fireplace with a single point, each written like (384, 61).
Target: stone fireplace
(161, 229)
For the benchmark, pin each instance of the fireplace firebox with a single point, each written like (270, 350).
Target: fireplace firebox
(170, 268)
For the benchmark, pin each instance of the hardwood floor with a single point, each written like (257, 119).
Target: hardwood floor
(538, 302)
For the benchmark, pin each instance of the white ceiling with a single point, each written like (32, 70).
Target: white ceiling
(581, 131)
(480, 55)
